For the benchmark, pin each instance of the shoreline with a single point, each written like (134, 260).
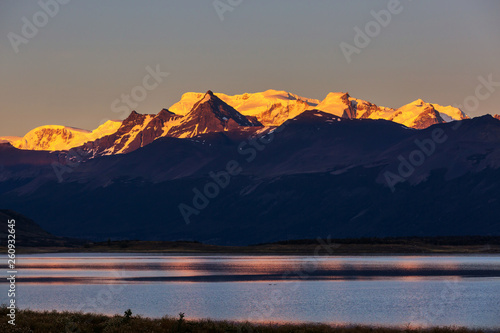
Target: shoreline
(58, 321)
(257, 254)
(309, 249)
(408, 245)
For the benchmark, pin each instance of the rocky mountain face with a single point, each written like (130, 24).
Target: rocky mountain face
(136, 131)
(209, 115)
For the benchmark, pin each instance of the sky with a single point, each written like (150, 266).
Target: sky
(84, 56)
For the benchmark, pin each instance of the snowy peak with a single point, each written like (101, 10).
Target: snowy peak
(106, 128)
(55, 137)
(210, 98)
(447, 113)
(419, 114)
(214, 106)
(418, 102)
(210, 114)
(270, 107)
(338, 104)
(51, 137)
(450, 113)
(257, 103)
(367, 110)
(249, 104)
(278, 113)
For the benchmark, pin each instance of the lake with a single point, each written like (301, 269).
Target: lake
(375, 290)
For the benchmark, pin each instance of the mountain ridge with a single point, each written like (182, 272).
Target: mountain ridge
(271, 108)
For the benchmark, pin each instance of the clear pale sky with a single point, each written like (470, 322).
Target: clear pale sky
(93, 51)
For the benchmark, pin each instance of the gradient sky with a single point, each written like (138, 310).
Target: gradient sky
(92, 51)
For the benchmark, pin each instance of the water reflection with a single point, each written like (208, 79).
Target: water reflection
(385, 290)
(157, 268)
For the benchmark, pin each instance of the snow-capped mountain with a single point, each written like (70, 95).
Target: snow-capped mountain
(338, 104)
(417, 114)
(198, 113)
(210, 114)
(273, 108)
(55, 137)
(278, 113)
(247, 104)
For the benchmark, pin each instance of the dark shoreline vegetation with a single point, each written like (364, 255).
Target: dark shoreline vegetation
(353, 246)
(53, 321)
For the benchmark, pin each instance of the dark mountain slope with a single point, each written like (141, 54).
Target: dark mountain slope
(313, 176)
(261, 210)
(28, 233)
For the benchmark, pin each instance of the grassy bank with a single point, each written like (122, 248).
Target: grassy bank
(31, 321)
(402, 245)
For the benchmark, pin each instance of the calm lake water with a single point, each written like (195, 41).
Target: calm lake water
(376, 290)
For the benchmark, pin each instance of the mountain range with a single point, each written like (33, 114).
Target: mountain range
(187, 118)
(262, 167)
